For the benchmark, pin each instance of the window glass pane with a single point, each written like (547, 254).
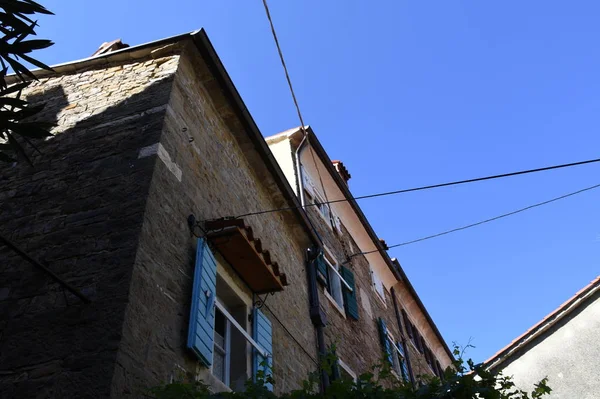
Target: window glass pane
(219, 329)
(219, 365)
(335, 283)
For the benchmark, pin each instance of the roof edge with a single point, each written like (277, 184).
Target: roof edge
(215, 65)
(543, 325)
(134, 52)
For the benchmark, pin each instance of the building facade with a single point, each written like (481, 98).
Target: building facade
(136, 249)
(372, 310)
(564, 347)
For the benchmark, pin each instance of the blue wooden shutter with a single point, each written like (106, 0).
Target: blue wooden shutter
(403, 362)
(350, 302)
(202, 314)
(385, 342)
(322, 271)
(262, 332)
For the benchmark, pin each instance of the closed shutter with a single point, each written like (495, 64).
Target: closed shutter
(322, 269)
(385, 342)
(350, 303)
(407, 324)
(440, 370)
(262, 332)
(307, 182)
(202, 314)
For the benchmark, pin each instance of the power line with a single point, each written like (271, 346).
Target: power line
(408, 190)
(480, 222)
(291, 335)
(287, 75)
(289, 81)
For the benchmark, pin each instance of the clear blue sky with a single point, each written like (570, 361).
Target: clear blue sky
(409, 93)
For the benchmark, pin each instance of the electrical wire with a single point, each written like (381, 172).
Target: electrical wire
(479, 223)
(408, 190)
(287, 75)
(291, 335)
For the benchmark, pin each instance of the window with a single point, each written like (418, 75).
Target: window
(218, 331)
(345, 372)
(323, 207)
(231, 346)
(378, 285)
(394, 352)
(314, 196)
(334, 288)
(339, 284)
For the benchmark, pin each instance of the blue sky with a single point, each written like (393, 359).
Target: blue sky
(409, 93)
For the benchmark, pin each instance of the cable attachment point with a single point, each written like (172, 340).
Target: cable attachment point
(195, 227)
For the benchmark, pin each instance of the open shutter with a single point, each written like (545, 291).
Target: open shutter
(403, 362)
(385, 342)
(202, 314)
(322, 269)
(350, 303)
(262, 332)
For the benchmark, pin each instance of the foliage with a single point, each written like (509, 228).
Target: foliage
(462, 381)
(16, 25)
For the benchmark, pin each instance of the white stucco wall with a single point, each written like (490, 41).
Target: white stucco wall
(568, 354)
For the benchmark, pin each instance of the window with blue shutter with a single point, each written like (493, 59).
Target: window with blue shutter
(322, 272)
(385, 342)
(350, 303)
(262, 332)
(403, 362)
(202, 314)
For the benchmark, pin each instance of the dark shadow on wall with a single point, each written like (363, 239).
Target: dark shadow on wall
(80, 210)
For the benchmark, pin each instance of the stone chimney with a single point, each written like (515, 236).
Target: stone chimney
(341, 169)
(107, 47)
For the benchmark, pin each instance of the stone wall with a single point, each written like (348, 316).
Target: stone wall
(358, 343)
(79, 210)
(213, 171)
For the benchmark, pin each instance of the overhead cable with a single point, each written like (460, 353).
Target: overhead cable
(408, 190)
(478, 223)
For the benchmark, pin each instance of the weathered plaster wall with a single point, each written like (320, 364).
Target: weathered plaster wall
(220, 175)
(568, 354)
(79, 210)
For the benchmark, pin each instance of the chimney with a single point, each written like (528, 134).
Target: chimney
(341, 169)
(107, 47)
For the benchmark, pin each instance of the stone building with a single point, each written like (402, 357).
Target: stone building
(371, 308)
(564, 347)
(135, 251)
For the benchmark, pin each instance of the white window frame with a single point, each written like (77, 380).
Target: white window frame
(321, 204)
(374, 280)
(226, 350)
(237, 325)
(347, 369)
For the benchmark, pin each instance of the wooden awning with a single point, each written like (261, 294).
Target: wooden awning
(236, 243)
